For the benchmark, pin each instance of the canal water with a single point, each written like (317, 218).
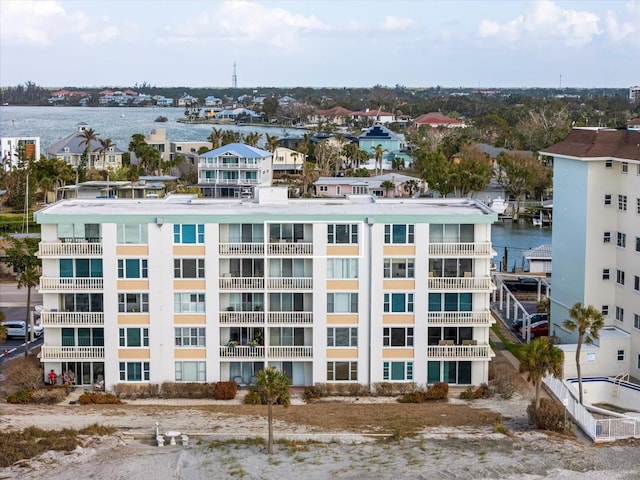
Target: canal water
(516, 238)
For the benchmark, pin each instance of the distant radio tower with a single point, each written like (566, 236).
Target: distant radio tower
(234, 77)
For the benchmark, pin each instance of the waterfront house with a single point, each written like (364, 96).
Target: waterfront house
(403, 186)
(437, 120)
(286, 160)
(393, 144)
(71, 148)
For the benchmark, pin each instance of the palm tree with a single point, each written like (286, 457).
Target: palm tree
(105, 145)
(271, 142)
(541, 358)
(378, 153)
(88, 136)
(215, 138)
(252, 138)
(388, 186)
(588, 321)
(272, 386)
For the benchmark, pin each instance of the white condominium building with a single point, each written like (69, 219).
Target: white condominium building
(596, 232)
(358, 290)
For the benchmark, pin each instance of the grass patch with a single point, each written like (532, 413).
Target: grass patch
(516, 349)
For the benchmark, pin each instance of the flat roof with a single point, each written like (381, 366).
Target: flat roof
(189, 208)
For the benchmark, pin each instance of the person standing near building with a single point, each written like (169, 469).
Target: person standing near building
(53, 378)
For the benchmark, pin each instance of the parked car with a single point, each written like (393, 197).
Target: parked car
(535, 317)
(538, 329)
(16, 329)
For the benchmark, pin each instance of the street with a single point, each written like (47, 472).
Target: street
(13, 302)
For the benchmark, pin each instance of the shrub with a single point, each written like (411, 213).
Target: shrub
(383, 389)
(357, 390)
(504, 387)
(252, 398)
(49, 395)
(437, 391)
(22, 395)
(133, 391)
(225, 391)
(23, 373)
(483, 391)
(549, 416)
(98, 398)
(322, 389)
(188, 390)
(341, 389)
(468, 394)
(310, 394)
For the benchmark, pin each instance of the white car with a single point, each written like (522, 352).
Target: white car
(16, 329)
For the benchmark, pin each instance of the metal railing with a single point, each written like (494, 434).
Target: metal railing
(241, 317)
(461, 283)
(79, 249)
(291, 352)
(72, 353)
(71, 283)
(241, 283)
(290, 317)
(241, 248)
(460, 318)
(461, 249)
(460, 351)
(293, 283)
(71, 318)
(286, 248)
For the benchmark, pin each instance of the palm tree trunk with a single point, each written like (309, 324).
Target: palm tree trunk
(537, 394)
(270, 419)
(578, 370)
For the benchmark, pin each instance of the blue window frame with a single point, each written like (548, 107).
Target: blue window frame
(188, 233)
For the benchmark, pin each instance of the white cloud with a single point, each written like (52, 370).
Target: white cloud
(625, 31)
(102, 35)
(545, 22)
(395, 24)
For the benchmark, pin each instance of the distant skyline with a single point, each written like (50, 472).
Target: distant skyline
(321, 43)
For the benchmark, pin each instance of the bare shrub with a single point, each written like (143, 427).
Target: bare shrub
(358, 390)
(383, 389)
(23, 373)
(49, 395)
(322, 389)
(483, 391)
(133, 391)
(504, 387)
(404, 388)
(225, 390)
(549, 416)
(341, 389)
(189, 390)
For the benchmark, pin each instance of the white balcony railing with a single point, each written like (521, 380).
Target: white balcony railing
(75, 249)
(241, 248)
(291, 352)
(481, 352)
(72, 353)
(229, 181)
(461, 283)
(70, 283)
(286, 248)
(71, 318)
(460, 318)
(291, 283)
(290, 317)
(461, 249)
(228, 166)
(241, 317)
(241, 283)
(241, 351)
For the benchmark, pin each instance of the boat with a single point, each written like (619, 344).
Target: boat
(537, 222)
(498, 205)
(161, 119)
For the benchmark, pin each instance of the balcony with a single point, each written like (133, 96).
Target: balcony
(241, 283)
(241, 317)
(290, 283)
(461, 283)
(241, 351)
(241, 248)
(53, 319)
(290, 352)
(465, 352)
(229, 181)
(75, 248)
(71, 353)
(483, 319)
(52, 284)
(228, 166)
(467, 249)
(290, 317)
(290, 248)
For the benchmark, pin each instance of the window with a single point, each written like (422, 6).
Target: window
(620, 355)
(339, 233)
(191, 371)
(342, 268)
(82, 337)
(622, 202)
(636, 283)
(359, 190)
(342, 371)
(608, 163)
(450, 302)
(190, 337)
(188, 302)
(133, 302)
(607, 237)
(636, 321)
(82, 302)
(134, 337)
(291, 232)
(450, 267)
(622, 239)
(605, 310)
(131, 234)
(638, 199)
(638, 244)
(188, 267)
(397, 336)
(398, 302)
(606, 274)
(638, 365)
(342, 337)
(620, 277)
(132, 268)
(620, 314)
(284, 302)
(338, 190)
(134, 371)
(607, 199)
(342, 303)
(81, 268)
(188, 233)
(323, 188)
(399, 268)
(399, 234)
(625, 167)
(451, 233)
(397, 371)
(450, 372)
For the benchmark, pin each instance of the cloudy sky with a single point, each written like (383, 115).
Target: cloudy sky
(321, 43)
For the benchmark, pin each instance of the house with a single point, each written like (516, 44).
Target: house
(634, 93)
(72, 147)
(346, 291)
(12, 147)
(233, 171)
(437, 120)
(236, 113)
(369, 117)
(393, 145)
(596, 231)
(158, 140)
(145, 187)
(187, 100)
(337, 116)
(212, 101)
(404, 186)
(161, 101)
(633, 124)
(286, 160)
(539, 259)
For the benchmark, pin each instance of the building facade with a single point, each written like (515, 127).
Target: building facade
(11, 148)
(186, 289)
(596, 231)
